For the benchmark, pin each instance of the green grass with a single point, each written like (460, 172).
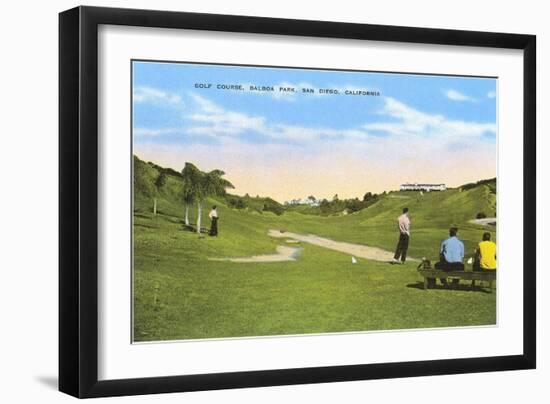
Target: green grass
(180, 294)
(431, 214)
(322, 292)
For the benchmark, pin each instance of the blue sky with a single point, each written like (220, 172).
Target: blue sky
(287, 145)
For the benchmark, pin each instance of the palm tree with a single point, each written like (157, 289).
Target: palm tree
(210, 184)
(197, 186)
(191, 178)
(188, 200)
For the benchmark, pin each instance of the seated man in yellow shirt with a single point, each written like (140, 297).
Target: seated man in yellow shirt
(486, 254)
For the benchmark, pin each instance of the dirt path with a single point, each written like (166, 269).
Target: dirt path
(489, 221)
(284, 253)
(357, 250)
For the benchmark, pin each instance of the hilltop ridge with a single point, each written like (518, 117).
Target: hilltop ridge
(468, 201)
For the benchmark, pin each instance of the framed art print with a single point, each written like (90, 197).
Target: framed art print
(250, 201)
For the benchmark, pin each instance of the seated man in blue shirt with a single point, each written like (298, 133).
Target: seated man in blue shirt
(451, 255)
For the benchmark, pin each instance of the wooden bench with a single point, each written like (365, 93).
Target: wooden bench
(487, 276)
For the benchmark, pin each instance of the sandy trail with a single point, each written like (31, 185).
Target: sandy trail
(357, 250)
(284, 253)
(489, 221)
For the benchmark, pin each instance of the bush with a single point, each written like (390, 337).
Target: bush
(354, 205)
(274, 207)
(236, 203)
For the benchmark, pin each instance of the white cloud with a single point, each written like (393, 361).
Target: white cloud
(205, 104)
(144, 94)
(213, 120)
(210, 119)
(413, 123)
(152, 132)
(455, 95)
(491, 94)
(301, 133)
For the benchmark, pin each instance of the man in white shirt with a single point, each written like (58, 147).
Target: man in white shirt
(404, 224)
(213, 215)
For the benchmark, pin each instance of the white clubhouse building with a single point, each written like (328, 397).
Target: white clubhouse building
(422, 187)
(305, 201)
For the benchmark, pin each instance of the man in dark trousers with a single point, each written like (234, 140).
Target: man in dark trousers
(404, 224)
(213, 215)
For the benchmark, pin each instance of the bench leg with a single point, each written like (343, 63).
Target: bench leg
(425, 283)
(473, 284)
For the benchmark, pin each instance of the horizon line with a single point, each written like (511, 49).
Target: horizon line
(258, 196)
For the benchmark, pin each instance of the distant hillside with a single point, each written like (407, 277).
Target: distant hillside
(154, 181)
(491, 183)
(336, 207)
(151, 180)
(453, 205)
(431, 214)
(445, 207)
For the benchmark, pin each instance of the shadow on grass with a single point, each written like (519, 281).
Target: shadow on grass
(147, 226)
(159, 215)
(142, 215)
(189, 227)
(461, 286)
(193, 228)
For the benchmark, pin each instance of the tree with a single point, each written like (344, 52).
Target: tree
(353, 205)
(210, 184)
(159, 183)
(236, 203)
(188, 200)
(191, 177)
(143, 183)
(324, 206)
(197, 186)
(161, 180)
(205, 185)
(273, 206)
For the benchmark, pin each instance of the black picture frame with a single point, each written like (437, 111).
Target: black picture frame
(78, 201)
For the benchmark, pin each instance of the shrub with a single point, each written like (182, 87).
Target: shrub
(274, 207)
(236, 203)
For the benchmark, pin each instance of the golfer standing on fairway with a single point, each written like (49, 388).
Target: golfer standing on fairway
(213, 215)
(404, 224)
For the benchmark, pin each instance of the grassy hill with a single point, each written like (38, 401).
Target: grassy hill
(179, 293)
(431, 215)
